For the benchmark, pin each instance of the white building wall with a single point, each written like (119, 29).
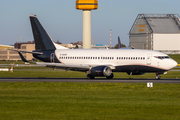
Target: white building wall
(166, 41)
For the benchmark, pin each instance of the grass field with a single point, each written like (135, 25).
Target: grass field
(88, 101)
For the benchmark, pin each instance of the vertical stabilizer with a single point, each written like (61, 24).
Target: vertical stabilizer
(41, 38)
(119, 43)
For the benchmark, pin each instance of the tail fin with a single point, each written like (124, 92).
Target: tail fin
(119, 43)
(41, 38)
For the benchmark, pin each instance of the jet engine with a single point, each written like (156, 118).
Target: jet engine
(101, 71)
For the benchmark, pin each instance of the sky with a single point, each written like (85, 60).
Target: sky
(63, 22)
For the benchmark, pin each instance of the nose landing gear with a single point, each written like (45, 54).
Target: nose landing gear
(158, 77)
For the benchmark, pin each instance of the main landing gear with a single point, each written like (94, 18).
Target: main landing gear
(90, 76)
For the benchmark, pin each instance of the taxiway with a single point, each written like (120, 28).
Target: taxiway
(115, 80)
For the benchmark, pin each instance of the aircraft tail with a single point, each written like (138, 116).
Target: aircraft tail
(41, 38)
(119, 43)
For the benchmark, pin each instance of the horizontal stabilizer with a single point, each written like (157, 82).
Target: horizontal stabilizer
(38, 53)
(22, 57)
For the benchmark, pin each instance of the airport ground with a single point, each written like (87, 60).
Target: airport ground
(87, 101)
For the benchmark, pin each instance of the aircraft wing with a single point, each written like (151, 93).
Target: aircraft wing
(75, 67)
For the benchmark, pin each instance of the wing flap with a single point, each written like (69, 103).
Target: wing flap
(79, 67)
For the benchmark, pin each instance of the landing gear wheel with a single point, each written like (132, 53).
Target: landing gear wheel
(158, 77)
(89, 76)
(111, 76)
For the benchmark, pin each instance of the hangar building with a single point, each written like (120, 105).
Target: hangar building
(6, 54)
(159, 32)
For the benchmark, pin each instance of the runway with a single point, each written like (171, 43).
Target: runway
(115, 80)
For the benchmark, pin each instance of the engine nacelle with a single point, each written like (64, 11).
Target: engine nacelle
(101, 71)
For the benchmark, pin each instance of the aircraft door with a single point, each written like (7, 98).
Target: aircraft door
(52, 57)
(148, 60)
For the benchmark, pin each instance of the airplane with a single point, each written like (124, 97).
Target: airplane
(96, 62)
(120, 45)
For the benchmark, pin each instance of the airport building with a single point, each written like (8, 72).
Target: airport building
(2, 47)
(6, 54)
(159, 32)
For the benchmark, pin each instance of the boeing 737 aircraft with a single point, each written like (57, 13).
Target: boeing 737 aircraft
(96, 62)
(120, 45)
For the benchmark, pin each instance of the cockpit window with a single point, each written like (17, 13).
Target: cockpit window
(162, 57)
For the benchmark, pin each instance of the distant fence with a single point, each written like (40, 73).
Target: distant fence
(4, 69)
(170, 51)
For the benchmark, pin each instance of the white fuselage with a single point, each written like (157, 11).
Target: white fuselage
(117, 58)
